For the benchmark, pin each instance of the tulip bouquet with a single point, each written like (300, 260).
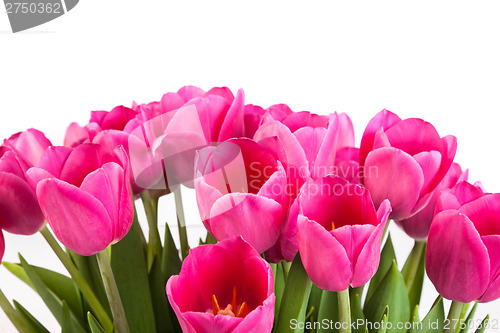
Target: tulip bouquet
(296, 218)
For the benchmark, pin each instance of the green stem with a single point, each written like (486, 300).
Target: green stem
(12, 314)
(454, 317)
(150, 207)
(79, 280)
(413, 263)
(295, 297)
(344, 311)
(112, 293)
(181, 223)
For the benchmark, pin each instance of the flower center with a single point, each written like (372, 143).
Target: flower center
(231, 309)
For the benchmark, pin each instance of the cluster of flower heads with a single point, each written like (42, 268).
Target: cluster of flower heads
(282, 181)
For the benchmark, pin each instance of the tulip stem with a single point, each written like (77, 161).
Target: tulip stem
(151, 209)
(454, 317)
(12, 314)
(112, 293)
(413, 263)
(79, 280)
(344, 311)
(181, 222)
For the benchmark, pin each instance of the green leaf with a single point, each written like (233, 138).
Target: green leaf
(62, 286)
(66, 326)
(29, 319)
(95, 326)
(483, 325)
(166, 320)
(54, 304)
(390, 292)
(469, 319)
(416, 257)
(295, 299)
(279, 287)
(171, 262)
(328, 310)
(88, 267)
(314, 302)
(128, 261)
(433, 322)
(415, 318)
(357, 314)
(386, 258)
(384, 320)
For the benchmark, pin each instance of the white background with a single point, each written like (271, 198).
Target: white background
(437, 60)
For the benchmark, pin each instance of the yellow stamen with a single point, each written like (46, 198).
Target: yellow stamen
(243, 310)
(215, 305)
(333, 225)
(233, 301)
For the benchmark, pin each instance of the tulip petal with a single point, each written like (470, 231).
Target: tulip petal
(492, 243)
(447, 155)
(189, 92)
(414, 135)
(247, 215)
(259, 320)
(276, 187)
(77, 218)
(172, 286)
(324, 258)
(484, 213)
(430, 162)
(325, 160)
(54, 159)
(384, 120)
(204, 322)
(457, 261)
(392, 174)
(75, 135)
(353, 239)
(19, 209)
(368, 259)
(108, 185)
(233, 125)
(465, 192)
(29, 145)
(2, 246)
(334, 199)
(290, 152)
(80, 162)
(206, 196)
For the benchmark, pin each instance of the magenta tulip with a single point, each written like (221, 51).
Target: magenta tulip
(226, 287)
(339, 232)
(307, 145)
(182, 123)
(404, 161)
(19, 209)
(85, 195)
(2, 246)
(417, 226)
(241, 190)
(463, 257)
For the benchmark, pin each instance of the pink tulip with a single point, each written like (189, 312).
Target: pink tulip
(418, 225)
(241, 190)
(463, 257)
(339, 232)
(28, 146)
(226, 287)
(307, 145)
(2, 246)
(19, 209)
(85, 195)
(404, 161)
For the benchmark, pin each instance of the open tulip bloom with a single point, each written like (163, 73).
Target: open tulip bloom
(296, 217)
